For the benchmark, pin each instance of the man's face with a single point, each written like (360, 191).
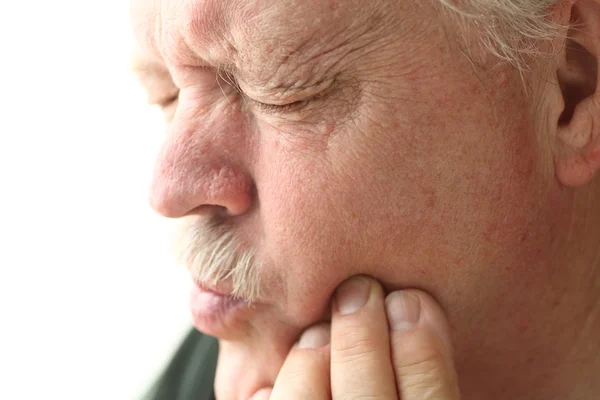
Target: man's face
(340, 138)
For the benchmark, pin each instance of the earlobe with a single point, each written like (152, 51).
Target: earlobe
(577, 165)
(577, 159)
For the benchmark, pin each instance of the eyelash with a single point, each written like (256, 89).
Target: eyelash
(262, 107)
(230, 79)
(278, 108)
(167, 102)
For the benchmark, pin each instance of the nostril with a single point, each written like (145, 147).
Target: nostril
(213, 210)
(185, 187)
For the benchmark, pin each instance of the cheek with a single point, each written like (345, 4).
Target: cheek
(310, 214)
(307, 243)
(329, 216)
(409, 205)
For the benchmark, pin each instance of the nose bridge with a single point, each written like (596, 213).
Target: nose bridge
(201, 164)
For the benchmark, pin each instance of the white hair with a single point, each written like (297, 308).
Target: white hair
(213, 255)
(512, 29)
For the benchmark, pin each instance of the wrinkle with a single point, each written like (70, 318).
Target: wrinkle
(295, 52)
(294, 73)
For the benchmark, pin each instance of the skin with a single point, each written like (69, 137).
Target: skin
(345, 359)
(413, 158)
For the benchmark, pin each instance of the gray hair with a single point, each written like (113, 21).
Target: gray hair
(213, 254)
(512, 29)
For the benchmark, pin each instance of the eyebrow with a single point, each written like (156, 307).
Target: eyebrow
(140, 61)
(145, 71)
(153, 76)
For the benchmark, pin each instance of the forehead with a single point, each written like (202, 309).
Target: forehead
(172, 30)
(220, 32)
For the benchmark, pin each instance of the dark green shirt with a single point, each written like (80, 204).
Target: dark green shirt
(190, 374)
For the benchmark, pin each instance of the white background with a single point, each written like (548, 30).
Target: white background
(91, 304)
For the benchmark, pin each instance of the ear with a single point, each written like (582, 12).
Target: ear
(577, 158)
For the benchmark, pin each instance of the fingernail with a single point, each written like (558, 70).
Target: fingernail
(315, 337)
(403, 310)
(352, 295)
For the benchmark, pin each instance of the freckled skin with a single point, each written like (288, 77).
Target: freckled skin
(417, 168)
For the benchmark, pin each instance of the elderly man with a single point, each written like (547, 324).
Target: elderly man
(385, 199)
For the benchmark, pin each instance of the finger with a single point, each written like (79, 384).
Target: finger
(361, 366)
(421, 347)
(305, 372)
(262, 394)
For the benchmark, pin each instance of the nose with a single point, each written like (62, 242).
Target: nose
(199, 168)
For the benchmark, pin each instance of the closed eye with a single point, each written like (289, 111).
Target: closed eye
(168, 101)
(278, 108)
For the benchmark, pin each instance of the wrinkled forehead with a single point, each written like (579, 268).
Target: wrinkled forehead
(220, 31)
(170, 29)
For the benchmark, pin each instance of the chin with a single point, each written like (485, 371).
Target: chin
(246, 367)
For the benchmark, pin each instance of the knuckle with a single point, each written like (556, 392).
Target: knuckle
(425, 390)
(427, 374)
(353, 351)
(425, 370)
(353, 345)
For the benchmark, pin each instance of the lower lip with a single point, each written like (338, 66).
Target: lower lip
(213, 313)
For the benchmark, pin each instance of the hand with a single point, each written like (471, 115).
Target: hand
(397, 348)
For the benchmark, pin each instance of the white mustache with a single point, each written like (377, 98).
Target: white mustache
(213, 254)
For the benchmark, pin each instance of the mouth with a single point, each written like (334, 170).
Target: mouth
(216, 312)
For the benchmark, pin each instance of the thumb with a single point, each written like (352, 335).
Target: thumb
(421, 347)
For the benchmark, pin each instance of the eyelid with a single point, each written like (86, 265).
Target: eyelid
(278, 108)
(324, 93)
(168, 101)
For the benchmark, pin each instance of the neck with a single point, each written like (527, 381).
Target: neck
(576, 372)
(571, 369)
(551, 350)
